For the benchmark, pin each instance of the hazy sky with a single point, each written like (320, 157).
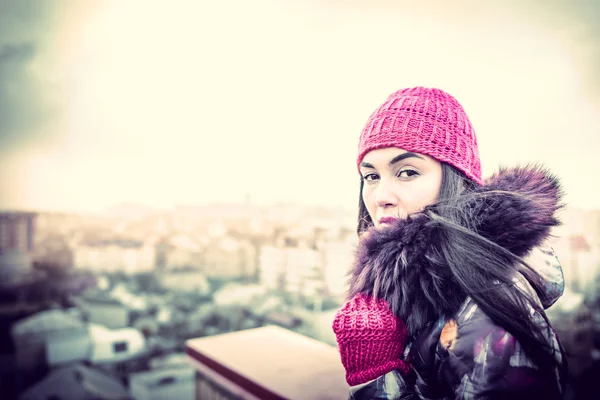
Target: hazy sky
(181, 102)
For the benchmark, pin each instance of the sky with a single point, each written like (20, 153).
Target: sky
(187, 102)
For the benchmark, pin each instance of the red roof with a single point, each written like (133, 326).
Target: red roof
(579, 243)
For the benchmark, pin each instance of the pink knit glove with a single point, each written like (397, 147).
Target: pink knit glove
(371, 339)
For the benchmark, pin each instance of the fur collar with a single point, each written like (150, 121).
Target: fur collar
(402, 263)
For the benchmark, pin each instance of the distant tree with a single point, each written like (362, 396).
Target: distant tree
(146, 282)
(53, 255)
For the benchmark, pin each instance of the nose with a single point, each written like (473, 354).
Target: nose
(384, 195)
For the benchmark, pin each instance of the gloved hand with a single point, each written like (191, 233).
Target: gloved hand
(371, 339)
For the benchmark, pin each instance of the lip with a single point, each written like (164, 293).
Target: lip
(387, 220)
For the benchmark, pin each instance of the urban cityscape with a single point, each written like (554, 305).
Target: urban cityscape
(178, 191)
(108, 301)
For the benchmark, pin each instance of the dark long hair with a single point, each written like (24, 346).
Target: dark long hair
(484, 270)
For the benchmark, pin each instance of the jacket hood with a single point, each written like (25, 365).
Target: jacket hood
(550, 280)
(514, 210)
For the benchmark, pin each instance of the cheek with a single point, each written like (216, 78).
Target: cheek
(368, 200)
(425, 194)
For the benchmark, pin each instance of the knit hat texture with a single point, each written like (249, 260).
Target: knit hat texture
(371, 339)
(427, 121)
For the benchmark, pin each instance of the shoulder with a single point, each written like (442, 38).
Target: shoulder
(470, 356)
(472, 338)
(478, 356)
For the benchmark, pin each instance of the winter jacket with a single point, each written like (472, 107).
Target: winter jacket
(456, 350)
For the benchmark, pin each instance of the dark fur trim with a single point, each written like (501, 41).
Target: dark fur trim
(515, 209)
(520, 220)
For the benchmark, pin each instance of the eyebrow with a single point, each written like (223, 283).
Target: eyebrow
(396, 159)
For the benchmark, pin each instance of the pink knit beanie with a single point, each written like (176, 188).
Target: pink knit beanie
(426, 121)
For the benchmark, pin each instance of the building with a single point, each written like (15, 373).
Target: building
(39, 338)
(249, 365)
(233, 294)
(580, 260)
(338, 258)
(228, 258)
(77, 382)
(294, 270)
(17, 231)
(304, 272)
(162, 247)
(189, 281)
(573, 321)
(164, 383)
(168, 360)
(113, 346)
(68, 348)
(183, 252)
(110, 256)
(272, 267)
(592, 223)
(104, 310)
(54, 251)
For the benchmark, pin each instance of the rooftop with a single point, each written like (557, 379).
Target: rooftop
(271, 363)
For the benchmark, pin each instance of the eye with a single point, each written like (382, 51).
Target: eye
(370, 177)
(408, 173)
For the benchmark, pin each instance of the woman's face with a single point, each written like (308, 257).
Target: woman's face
(398, 183)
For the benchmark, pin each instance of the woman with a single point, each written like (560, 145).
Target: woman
(450, 283)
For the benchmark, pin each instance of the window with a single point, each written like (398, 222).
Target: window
(4, 245)
(168, 380)
(119, 347)
(78, 377)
